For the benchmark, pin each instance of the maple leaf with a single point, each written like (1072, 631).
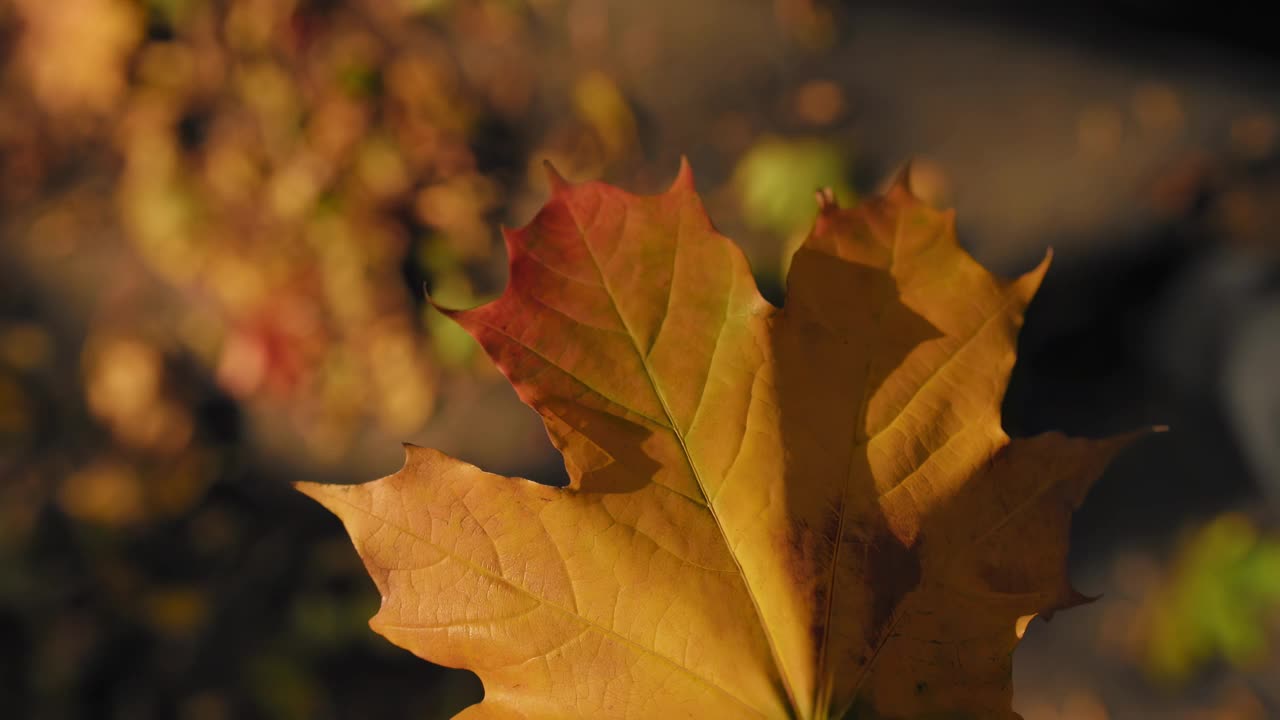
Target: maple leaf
(807, 512)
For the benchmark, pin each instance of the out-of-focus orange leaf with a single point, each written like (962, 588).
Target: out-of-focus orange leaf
(92, 77)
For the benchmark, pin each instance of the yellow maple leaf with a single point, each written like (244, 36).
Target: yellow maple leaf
(808, 512)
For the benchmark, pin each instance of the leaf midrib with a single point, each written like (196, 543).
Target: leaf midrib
(824, 689)
(675, 430)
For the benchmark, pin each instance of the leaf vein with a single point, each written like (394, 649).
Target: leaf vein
(608, 632)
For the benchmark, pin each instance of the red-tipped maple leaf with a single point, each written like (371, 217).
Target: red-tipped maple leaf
(803, 512)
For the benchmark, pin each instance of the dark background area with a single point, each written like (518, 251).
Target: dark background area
(217, 218)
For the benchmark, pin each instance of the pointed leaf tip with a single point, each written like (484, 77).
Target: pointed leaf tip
(827, 201)
(902, 180)
(684, 177)
(1042, 268)
(554, 178)
(447, 311)
(1020, 627)
(322, 493)
(1074, 599)
(512, 238)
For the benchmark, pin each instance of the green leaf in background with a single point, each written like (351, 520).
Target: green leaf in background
(1224, 592)
(776, 179)
(450, 287)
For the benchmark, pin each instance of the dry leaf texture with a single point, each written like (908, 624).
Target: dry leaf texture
(807, 512)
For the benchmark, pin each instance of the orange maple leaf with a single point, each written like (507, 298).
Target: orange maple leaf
(808, 512)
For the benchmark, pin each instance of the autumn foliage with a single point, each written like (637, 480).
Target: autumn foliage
(800, 512)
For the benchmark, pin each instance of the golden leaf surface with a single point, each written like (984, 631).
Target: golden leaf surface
(809, 512)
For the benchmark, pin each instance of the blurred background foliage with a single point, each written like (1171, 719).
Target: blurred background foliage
(219, 220)
(1225, 586)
